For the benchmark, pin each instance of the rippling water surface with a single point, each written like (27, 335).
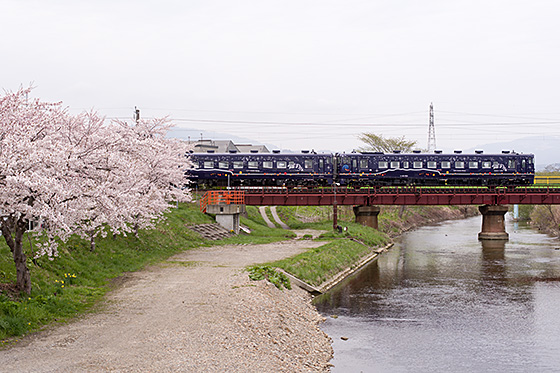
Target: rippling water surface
(440, 301)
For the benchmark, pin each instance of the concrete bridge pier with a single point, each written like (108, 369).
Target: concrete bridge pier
(227, 215)
(367, 215)
(493, 222)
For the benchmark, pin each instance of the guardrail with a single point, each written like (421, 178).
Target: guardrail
(547, 180)
(222, 197)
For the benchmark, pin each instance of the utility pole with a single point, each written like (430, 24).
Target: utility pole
(136, 114)
(431, 131)
(335, 208)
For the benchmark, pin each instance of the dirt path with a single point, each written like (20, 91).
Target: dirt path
(196, 312)
(269, 223)
(277, 218)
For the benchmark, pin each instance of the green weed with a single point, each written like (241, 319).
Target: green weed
(280, 280)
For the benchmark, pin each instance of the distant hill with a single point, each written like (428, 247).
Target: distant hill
(546, 149)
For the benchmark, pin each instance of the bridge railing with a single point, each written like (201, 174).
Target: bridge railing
(222, 197)
(401, 190)
(547, 180)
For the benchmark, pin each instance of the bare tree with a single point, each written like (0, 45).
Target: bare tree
(379, 143)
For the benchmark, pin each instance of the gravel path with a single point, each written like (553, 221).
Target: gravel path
(196, 312)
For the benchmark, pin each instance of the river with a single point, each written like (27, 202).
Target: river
(440, 301)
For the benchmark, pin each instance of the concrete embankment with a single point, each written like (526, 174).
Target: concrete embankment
(339, 277)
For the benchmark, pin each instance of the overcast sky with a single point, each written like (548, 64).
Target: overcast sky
(299, 74)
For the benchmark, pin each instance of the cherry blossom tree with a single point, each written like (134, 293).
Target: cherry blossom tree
(142, 173)
(79, 174)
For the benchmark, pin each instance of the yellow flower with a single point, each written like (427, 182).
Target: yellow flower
(62, 285)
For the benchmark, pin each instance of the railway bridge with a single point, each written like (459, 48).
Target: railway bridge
(492, 201)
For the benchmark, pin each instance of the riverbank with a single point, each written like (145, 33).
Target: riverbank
(545, 218)
(196, 311)
(395, 220)
(324, 267)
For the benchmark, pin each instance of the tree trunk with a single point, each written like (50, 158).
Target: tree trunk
(92, 242)
(13, 231)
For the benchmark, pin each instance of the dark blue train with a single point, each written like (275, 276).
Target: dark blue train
(360, 169)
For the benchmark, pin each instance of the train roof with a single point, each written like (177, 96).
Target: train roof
(265, 154)
(438, 153)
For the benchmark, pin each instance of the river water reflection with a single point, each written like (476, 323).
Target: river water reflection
(440, 301)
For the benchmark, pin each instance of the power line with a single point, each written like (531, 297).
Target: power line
(409, 124)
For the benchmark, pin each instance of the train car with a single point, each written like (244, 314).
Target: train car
(435, 169)
(257, 169)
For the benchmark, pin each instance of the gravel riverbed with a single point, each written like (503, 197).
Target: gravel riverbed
(196, 312)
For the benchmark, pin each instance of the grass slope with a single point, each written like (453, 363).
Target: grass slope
(72, 282)
(344, 250)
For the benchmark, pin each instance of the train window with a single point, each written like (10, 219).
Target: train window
(383, 164)
(405, 164)
(417, 164)
(395, 164)
(223, 165)
(308, 163)
(432, 164)
(267, 164)
(459, 164)
(237, 164)
(253, 164)
(486, 164)
(208, 164)
(363, 163)
(496, 165)
(291, 165)
(281, 164)
(523, 164)
(511, 163)
(473, 164)
(445, 164)
(321, 165)
(354, 164)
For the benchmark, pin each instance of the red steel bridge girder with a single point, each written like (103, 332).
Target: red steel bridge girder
(402, 196)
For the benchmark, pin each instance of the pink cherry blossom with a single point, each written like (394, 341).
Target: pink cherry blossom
(81, 174)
